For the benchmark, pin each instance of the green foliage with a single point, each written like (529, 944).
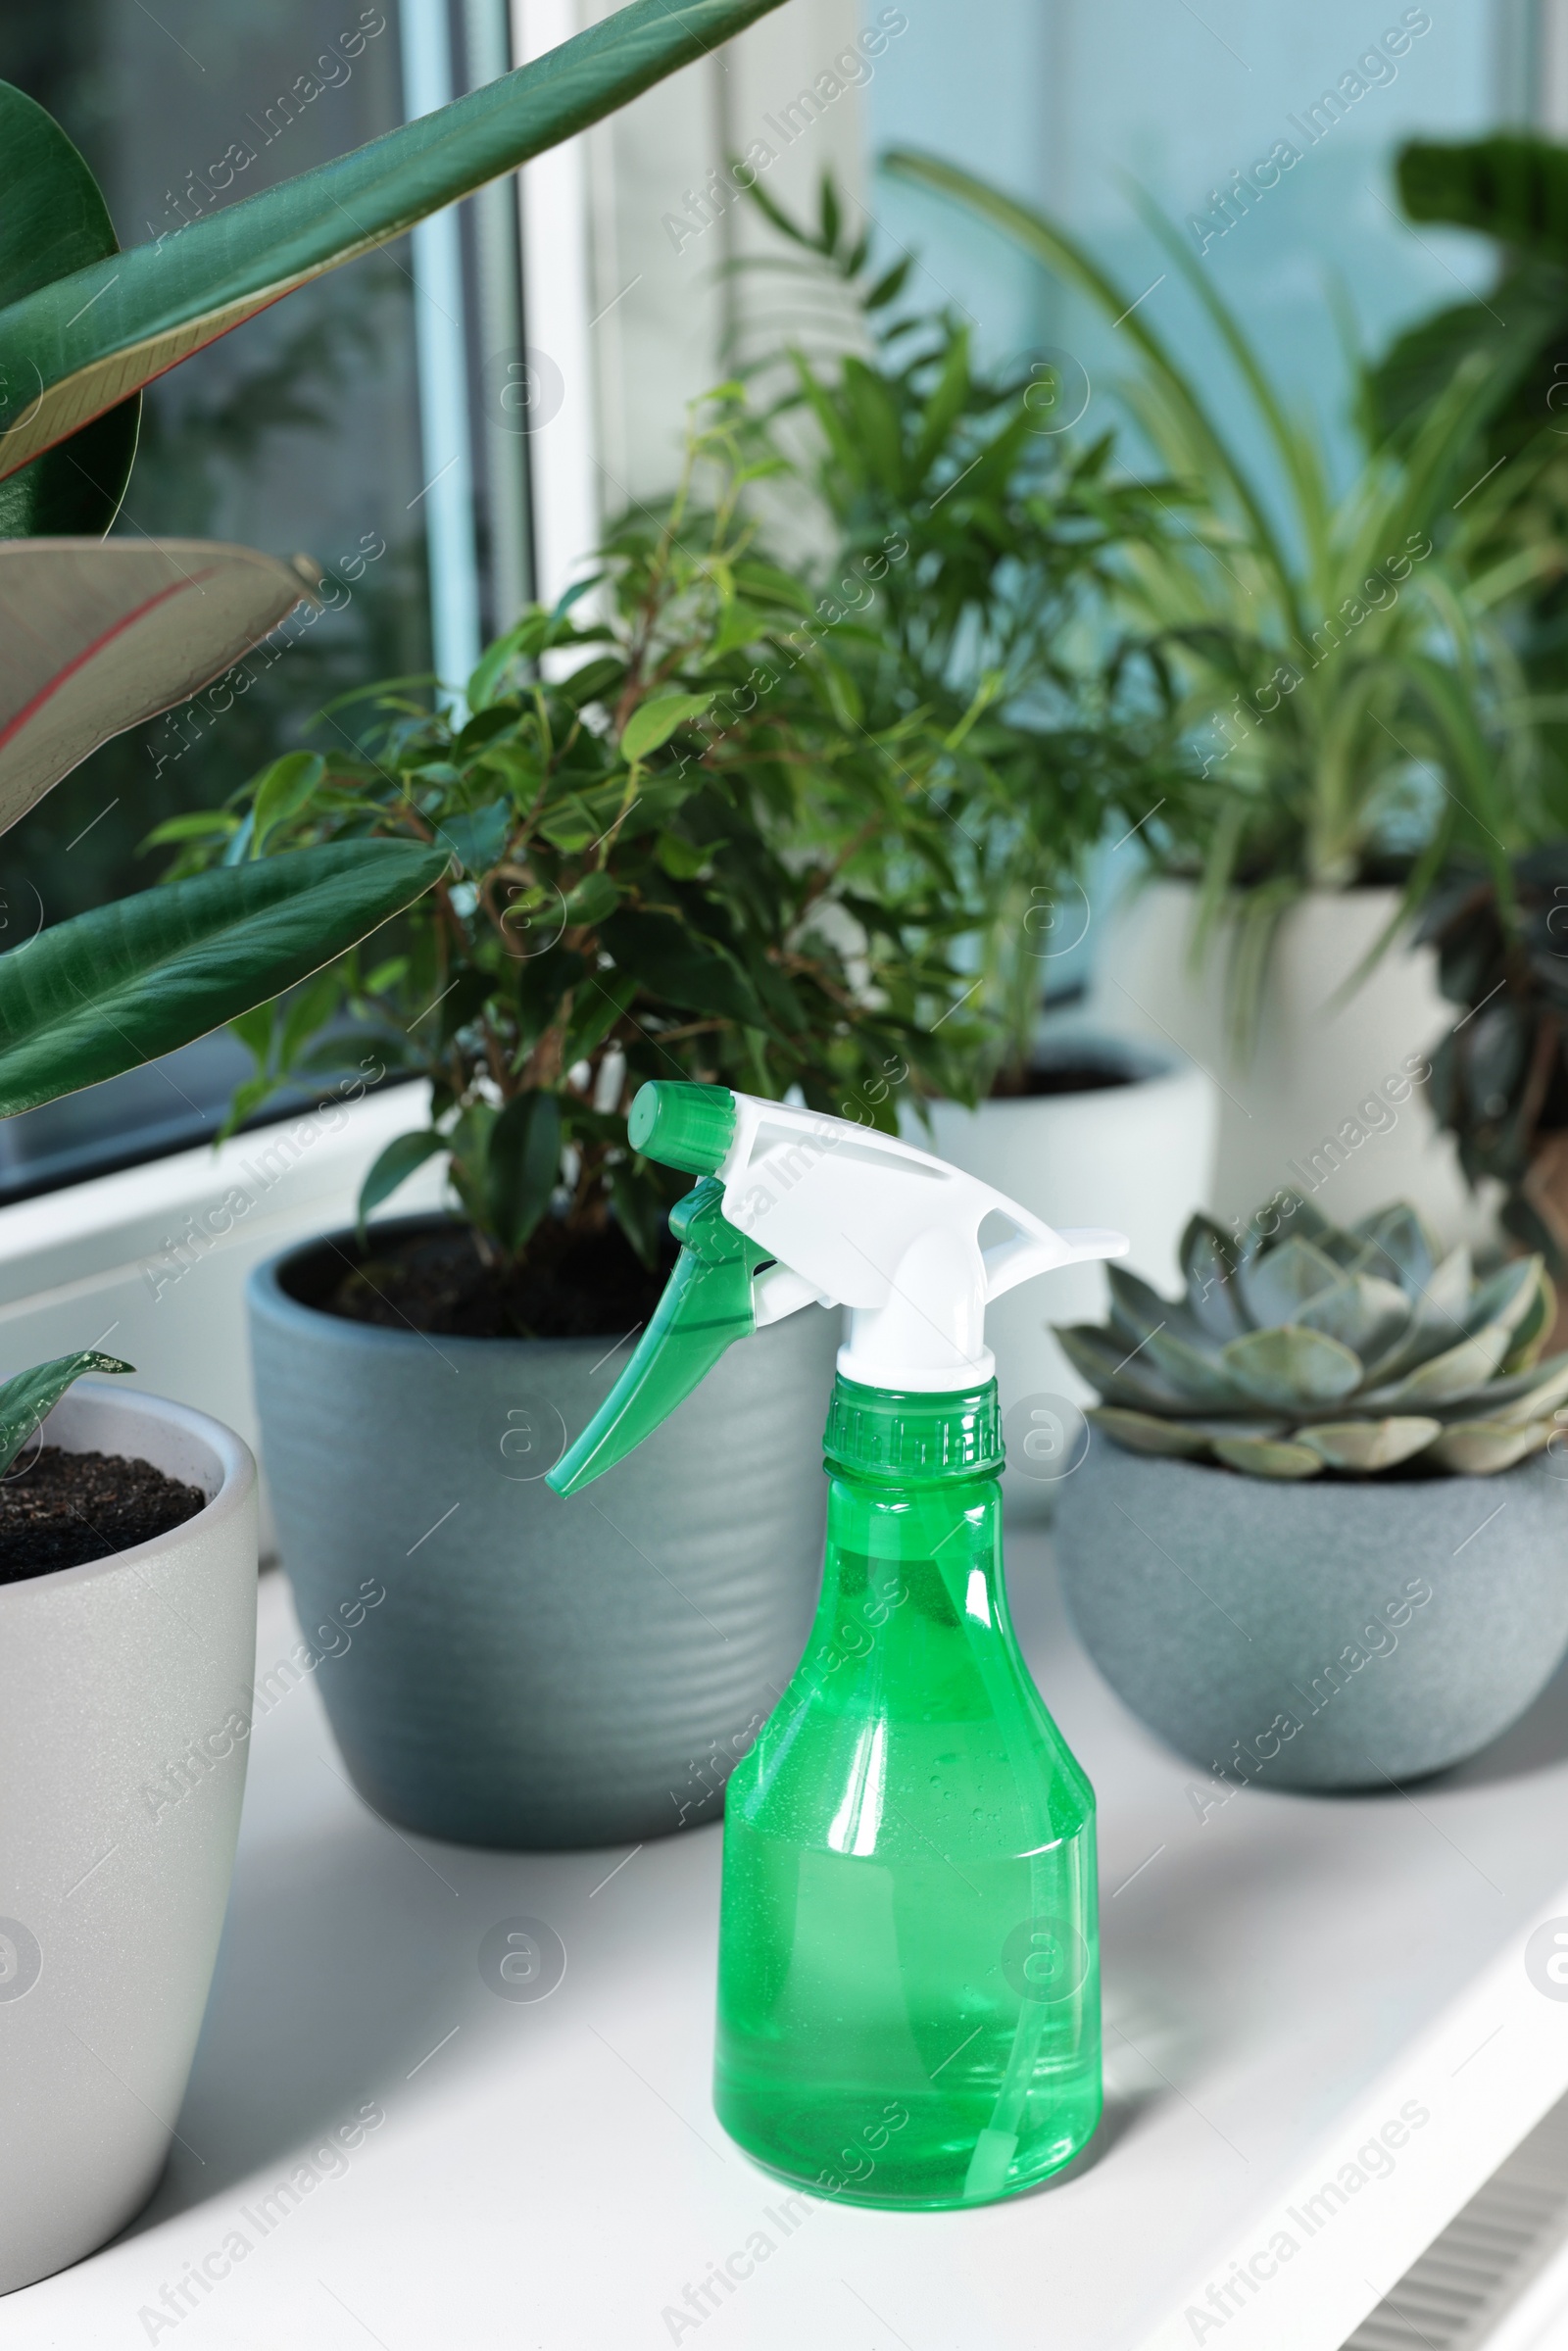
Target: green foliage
(1347, 687)
(1499, 1076)
(1516, 190)
(105, 992)
(977, 544)
(1303, 1348)
(82, 326)
(54, 221)
(1511, 188)
(75, 346)
(27, 1398)
(677, 853)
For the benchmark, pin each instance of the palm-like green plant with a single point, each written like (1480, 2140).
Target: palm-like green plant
(95, 636)
(1313, 1349)
(991, 624)
(1346, 685)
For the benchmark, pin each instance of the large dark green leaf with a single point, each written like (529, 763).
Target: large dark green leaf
(1514, 189)
(1523, 319)
(76, 347)
(98, 634)
(115, 988)
(54, 221)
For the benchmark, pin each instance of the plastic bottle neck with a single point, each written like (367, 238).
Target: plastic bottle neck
(912, 1570)
(890, 1437)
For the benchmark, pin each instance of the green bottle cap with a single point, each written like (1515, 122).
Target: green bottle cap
(889, 1436)
(691, 1127)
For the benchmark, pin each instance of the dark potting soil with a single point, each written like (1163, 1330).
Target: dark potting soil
(59, 1509)
(1059, 1077)
(570, 1286)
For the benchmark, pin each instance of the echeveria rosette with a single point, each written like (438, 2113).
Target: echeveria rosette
(1325, 1350)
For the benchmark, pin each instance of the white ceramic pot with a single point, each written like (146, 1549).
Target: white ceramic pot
(1332, 1102)
(122, 1683)
(1136, 1156)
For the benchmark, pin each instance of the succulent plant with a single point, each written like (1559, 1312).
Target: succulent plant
(1319, 1349)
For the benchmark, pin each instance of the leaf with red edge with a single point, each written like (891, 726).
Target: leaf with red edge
(98, 634)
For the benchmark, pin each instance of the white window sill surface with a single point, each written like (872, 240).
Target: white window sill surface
(1283, 1978)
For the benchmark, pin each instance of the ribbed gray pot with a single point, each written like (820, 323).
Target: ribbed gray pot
(1279, 1633)
(124, 1721)
(540, 1671)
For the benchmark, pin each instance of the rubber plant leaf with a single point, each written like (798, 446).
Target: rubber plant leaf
(52, 222)
(116, 987)
(97, 635)
(74, 348)
(27, 1399)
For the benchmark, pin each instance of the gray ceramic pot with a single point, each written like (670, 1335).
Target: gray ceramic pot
(1321, 1635)
(124, 1713)
(540, 1671)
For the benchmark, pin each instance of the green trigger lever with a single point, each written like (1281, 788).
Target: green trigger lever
(705, 1307)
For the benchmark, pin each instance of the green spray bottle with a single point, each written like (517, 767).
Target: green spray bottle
(908, 1994)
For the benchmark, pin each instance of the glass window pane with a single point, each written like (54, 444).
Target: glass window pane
(300, 431)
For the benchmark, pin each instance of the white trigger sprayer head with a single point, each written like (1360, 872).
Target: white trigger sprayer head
(793, 1208)
(861, 1219)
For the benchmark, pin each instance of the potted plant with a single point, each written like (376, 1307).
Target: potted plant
(127, 1634)
(995, 621)
(128, 1657)
(1317, 1536)
(1500, 1084)
(1499, 1076)
(651, 884)
(1354, 714)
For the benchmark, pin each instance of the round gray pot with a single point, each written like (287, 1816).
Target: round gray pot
(540, 1671)
(124, 1713)
(1318, 1635)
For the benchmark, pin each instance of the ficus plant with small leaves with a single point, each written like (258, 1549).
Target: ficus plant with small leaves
(678, 848)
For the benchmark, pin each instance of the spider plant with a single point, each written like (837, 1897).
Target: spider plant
(1344, 682)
